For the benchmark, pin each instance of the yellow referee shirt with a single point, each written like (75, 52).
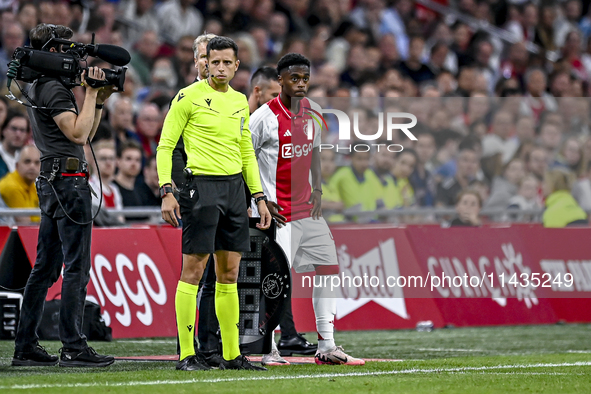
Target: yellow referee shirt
(214, 127)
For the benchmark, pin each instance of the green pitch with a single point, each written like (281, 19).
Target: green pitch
(524, 359)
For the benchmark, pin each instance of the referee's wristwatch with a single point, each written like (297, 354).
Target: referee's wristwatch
(164, 190)
(260, 198)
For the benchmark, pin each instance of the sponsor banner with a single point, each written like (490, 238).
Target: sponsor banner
(366, 252)
(131, 279)
(135, 272)
(557, 253)
(489, 254)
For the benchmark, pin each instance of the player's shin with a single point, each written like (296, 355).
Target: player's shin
(325, 306)
(227, 310)
(186, 304)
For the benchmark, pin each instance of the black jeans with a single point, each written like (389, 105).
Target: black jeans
(61, 242)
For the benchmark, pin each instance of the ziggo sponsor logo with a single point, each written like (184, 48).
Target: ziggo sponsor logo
(123, 294)
(289, 151)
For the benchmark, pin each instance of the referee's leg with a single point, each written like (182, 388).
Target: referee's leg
(186, 301)
(226, 301)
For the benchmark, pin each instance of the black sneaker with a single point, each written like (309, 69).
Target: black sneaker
(214, 360)
(296, 344)
(192, 363)
(86, 357)
(241, 362)
(34, 357)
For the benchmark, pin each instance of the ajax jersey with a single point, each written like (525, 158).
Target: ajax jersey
(283, 144)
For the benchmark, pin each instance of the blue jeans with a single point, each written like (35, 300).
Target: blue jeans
(61, 243)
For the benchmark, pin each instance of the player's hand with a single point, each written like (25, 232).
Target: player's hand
(265, 222)
(171, 210)
(316, 200)
(274, 210)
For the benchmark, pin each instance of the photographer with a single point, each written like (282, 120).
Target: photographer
(60, 132)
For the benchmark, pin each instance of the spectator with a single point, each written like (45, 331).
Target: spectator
(18, 187)
(15, 134)
(499, 141)
(183, 62)
(111, 197)
(505, 187)
(468, 207)
(422, 180)
(582, 189)
(536, 99)
(550, 138)
(230, 16)
(331, 202)
(149, 189)
(467, 167)
(526, 197)
(129, 165)
(357, 185)
(404, 165)
(149, 127)
(13, 36)
(413, 67)
(178, 18)
(143, 16)
(121, 121)
(383, 163)
(571, 157)
(146, 50)
(561, 208)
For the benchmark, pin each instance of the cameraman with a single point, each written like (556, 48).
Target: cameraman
(60, 132)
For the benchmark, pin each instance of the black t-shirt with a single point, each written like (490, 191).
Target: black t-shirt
(51, 141)
(129, 198)
(145, 193)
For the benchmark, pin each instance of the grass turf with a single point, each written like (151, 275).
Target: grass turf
(519, 359)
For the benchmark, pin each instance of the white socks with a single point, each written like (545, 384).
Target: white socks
(325, 309)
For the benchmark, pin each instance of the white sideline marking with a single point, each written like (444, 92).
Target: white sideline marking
(579, 351)
(440, 349)
(315, 376)
(151, 341)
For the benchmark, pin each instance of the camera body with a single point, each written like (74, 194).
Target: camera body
(66, 66)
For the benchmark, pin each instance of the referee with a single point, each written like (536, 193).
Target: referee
(213, 120)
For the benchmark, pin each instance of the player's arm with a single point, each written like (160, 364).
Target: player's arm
(260, 131)
(174, 124)
(250, 171)
(316, 197)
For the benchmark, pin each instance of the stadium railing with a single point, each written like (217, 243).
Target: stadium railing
(402, 215)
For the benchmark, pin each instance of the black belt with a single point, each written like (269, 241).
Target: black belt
(64, 164)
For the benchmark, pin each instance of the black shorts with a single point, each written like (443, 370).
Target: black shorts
(213, 214)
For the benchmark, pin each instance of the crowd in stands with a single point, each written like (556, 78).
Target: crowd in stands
(495, 116)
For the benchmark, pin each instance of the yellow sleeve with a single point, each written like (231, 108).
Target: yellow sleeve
(12, 195)
(250, 166)
(174, 124)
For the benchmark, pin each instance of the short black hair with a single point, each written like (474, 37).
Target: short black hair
(264, 73)
(42, 33)
(220, 43)
(129, 144)
(292, 59)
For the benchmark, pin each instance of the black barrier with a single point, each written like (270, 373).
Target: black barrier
(15, 267)
(264, 287)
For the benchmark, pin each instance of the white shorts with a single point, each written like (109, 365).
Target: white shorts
(307, 243)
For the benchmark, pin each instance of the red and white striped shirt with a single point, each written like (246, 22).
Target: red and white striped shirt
(284, 152)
